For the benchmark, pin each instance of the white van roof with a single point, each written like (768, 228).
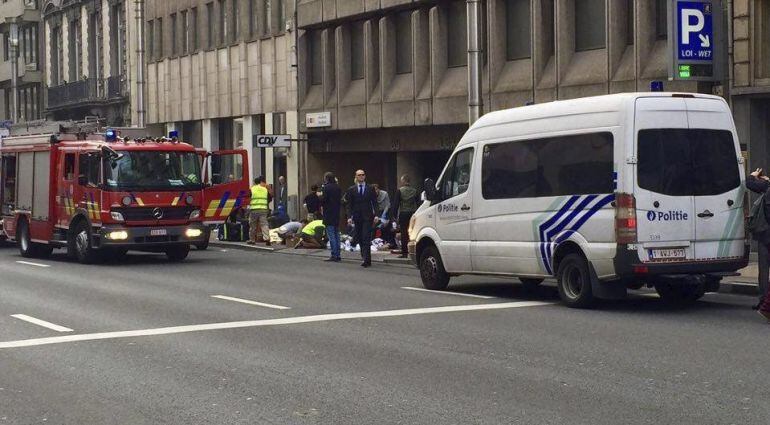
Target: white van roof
(587, 112)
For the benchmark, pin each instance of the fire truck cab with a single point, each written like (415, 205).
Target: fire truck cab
(96, 194)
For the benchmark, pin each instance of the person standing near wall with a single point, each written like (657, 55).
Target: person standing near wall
(405, 204)
(259, 210)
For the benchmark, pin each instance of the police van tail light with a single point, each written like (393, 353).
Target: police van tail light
(625, 218)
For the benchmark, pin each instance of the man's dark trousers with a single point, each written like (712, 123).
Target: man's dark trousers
(363, 233)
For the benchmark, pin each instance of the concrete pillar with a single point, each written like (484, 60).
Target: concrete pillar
(210, 135)
(292, 166)
(269, 151)
(253, 154)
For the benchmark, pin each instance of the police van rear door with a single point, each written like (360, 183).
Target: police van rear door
(717, 177)
(662, 187)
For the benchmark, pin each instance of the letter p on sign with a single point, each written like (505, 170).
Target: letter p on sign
(688, 26)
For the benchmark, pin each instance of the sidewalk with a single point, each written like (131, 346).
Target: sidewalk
(745, 284)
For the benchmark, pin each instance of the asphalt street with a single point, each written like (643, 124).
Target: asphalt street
(242, 337)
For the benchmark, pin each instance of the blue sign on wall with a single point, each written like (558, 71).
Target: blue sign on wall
(695, 31)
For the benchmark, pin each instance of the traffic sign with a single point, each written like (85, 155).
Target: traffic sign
(693, 32)
(272, 141)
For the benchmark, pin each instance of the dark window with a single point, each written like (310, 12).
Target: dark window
(185, 32)
(554, 166)
(589, 25)
(234, 21)
(193, 29)
(457, 34)
(150, 40)
(280, 17)
(404, 42)
(89, 166)
(687, 162)
(661, 19)
(252, 18)
(160, 53)
(457, 176)
(357, 50)
(69, 166)
(517, 29)
(210, 25)
(316, 57)
(264, 18)
(173, 34)
(222, 21)
(630, 22)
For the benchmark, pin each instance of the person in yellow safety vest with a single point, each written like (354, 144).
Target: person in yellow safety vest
(259, 210)
(313, 234)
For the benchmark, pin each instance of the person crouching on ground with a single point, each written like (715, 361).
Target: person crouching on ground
(313, 235)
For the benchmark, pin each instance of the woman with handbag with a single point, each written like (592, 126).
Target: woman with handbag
(760, 230)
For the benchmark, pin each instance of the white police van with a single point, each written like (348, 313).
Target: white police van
(604, 193)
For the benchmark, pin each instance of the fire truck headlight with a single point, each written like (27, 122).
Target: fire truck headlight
(189, 199)
(126, 200)
(117, 235)
(195, 214)
(117, 216)
(193, 233)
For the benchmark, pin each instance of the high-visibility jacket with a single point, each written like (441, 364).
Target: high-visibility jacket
(258, 197)
(313, 227)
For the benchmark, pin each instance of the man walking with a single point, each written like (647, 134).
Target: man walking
(282, 196)
(331, 200)
(404, 206)
(361, 205)
(258, 211)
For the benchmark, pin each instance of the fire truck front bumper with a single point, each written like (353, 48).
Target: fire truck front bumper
(139, 237)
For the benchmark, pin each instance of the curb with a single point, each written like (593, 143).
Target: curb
(739, 288)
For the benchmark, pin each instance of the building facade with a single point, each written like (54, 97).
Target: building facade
(90, 60)
(750, 78)
(393, 73)
(25, 51)
(221, 71)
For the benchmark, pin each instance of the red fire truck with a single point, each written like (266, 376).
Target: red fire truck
(95, 193)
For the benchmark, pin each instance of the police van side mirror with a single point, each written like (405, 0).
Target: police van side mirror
(430, 189)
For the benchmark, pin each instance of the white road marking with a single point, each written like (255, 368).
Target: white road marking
(42, 323)
(241, 300)
(33, 264)
(267, 322)
(412, 288)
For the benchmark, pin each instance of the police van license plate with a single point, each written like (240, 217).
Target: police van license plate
(158, 232)
(668, 254)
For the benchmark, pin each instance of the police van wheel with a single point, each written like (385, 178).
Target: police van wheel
(574, 282)
(178, 253)
(530, 283)
(82, 250)
(432, 271)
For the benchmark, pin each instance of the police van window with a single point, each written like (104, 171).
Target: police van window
(69, 166)
(89, 166)
(553, 166)
(458, 175)
(687, 162)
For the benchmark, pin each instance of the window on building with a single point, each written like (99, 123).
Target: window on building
(185, 32)
(517, 30)
(150, 40)
(56, 56)
(630, 25)
(193, 28)
(210, 25)
(222, 22)
(457, 34)
(555, 166)
(28, 41)
(264, 21)
(6, 47)
(252, 18)
(404, 42)
(75, 50)
(590, 31)
(357, 50)
(174, 35)
(160, 53)
(118, 46)
(234, 18)
(315, 54)
(549, 41)
(279, 16)
(661, 19)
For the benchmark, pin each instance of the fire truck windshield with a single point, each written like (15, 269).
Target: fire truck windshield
(153, 170)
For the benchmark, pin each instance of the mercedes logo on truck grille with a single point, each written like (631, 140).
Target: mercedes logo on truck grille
(157, 213)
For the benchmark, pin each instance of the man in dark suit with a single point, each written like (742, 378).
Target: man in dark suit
(331, 201)
(361, 206)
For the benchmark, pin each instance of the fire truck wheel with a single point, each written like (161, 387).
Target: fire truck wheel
(27, 248)
(178, 253)
(202, 246)
(81, 244)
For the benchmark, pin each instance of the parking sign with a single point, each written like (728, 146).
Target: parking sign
(692, 36)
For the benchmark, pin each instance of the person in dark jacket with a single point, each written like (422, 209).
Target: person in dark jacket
(405, 204)
(331, 203)
(362, 203)
(313, 204)
(760, 183)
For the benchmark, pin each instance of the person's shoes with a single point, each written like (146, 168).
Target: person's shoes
(366, 264)
(250, 242)
(331, 259)
(403, 256)
(765, 314)
(337, 259)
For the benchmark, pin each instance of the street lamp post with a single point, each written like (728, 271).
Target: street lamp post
(475, 102)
